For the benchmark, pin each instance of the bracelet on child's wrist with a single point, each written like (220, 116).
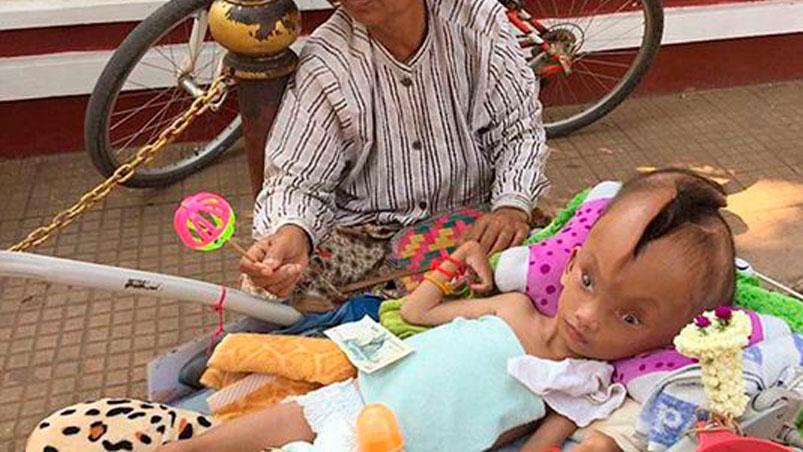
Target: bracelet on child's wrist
(445, 256)
(443, 287)
(461, 267)
(449, 275)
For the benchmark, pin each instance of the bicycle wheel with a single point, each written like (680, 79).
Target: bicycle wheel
(608, 46)
(152, 78)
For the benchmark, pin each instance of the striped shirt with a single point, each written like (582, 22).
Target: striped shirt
(364, 138)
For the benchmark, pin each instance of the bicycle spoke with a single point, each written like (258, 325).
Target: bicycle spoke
(131, 138)
(569, 89)
(128, 140)
(145, 63)
(598, 77)
(208, 63)
(146, 105)
(140, 85)
(213, 68)
(555, 7)
(166, 58)
(173, 57)
(598, 32)
(145, 127)
(593, 14)
(162, 156)
(189, 47)
(156, 129)
(582, 8)
(161, 106)
(560, 87)
(541, 14)
(611, 25)
(585, 83)
(130, 94)
(602, 62)
(619, 37)
(137, 109)
(617, 52)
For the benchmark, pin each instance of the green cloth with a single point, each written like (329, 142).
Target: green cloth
(390, 317)
(751, 296)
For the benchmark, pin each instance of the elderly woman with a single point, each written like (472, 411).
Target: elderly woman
(400, 109)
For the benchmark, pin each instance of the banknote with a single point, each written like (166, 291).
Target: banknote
(368, 345)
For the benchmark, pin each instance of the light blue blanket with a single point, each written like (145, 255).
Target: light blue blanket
(453, 393)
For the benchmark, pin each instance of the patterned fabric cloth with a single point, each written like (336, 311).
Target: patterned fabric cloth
(419, 246)
(364, 138)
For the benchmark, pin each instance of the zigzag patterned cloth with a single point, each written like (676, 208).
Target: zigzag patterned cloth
(417, 247)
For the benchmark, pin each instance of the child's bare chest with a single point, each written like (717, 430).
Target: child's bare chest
(533, 331)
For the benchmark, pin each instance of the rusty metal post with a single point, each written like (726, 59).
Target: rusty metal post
(258, 35)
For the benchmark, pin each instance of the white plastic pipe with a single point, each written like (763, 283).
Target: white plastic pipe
(118, 279)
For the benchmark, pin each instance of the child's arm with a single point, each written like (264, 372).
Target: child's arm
(552, 431)
(424, 307)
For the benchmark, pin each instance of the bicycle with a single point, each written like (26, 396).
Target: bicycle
(589, 54)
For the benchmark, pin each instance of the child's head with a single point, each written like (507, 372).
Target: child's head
(659, 255)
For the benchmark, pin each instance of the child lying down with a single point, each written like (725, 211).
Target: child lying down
(658, 254)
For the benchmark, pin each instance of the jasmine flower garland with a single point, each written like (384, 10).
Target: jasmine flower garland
(716, 338)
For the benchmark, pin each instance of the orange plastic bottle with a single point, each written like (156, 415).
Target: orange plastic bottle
(378, 430)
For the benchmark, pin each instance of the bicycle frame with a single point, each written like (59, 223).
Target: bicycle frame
(533, 32)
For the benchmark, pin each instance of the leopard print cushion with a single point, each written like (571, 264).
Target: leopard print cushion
(115, 425)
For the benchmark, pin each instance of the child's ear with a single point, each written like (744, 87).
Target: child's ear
(569, 265)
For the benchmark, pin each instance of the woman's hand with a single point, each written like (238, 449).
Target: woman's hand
(279, 260)
(499, 230)
(474, 256)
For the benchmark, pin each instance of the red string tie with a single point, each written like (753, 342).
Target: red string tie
(219, 309)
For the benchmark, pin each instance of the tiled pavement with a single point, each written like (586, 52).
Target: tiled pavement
(60, 345)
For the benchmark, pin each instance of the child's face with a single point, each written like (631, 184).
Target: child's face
(614, 305)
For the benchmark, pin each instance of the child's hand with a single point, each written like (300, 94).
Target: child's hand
(473, 255)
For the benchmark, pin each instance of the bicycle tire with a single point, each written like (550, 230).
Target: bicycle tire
(654, 25)
(110, 83)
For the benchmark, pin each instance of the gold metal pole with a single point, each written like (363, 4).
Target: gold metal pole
(258, 35)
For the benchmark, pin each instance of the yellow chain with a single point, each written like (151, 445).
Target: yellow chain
(145, 155)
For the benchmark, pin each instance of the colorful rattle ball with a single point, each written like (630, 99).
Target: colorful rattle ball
(204, 221)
